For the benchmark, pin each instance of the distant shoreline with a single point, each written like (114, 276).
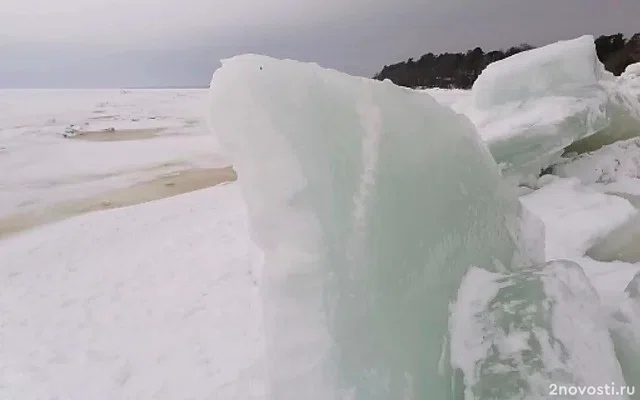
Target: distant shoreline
(460, 70)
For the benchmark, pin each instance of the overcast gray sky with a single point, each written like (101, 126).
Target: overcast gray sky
(97, 43)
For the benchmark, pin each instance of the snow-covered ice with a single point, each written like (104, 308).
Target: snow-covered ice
(153, 301)
(607, 165)
(576, 217)
(47, 168)
(632, 72)
(163, 299)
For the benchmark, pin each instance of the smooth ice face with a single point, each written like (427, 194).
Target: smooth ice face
(558, 69)
(370, 203)
(516, 335)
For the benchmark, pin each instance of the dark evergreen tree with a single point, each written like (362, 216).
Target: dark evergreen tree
(460, 70)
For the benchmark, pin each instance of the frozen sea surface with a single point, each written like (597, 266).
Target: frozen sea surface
(159, 299)
(150, 301)
(156, 300)
(41, 167)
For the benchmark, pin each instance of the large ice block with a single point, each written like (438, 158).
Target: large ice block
(532, 105)
(533, 334)
(370, 203)
(559, 69)
(625, 329)
(535, 106)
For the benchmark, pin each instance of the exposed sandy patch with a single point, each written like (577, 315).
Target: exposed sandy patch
(43, 184)
(116, 135)
(158, 188)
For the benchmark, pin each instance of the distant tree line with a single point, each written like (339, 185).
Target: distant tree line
(460, 70)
